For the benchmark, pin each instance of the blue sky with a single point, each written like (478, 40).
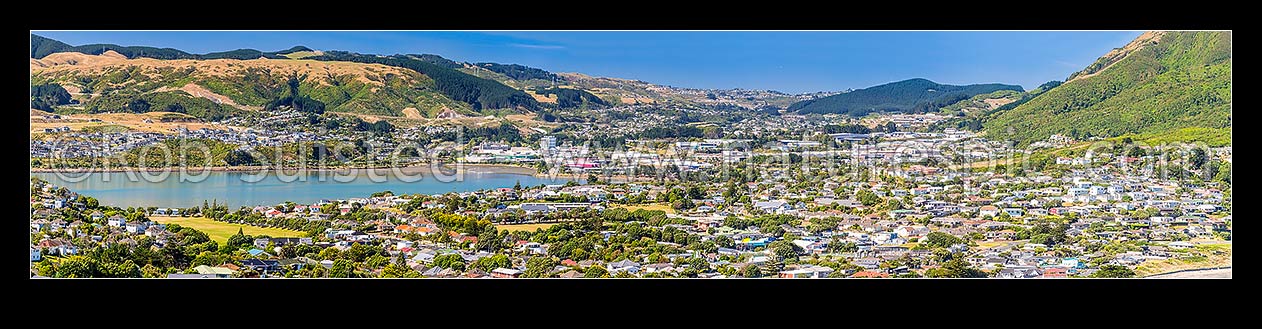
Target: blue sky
(785, 61)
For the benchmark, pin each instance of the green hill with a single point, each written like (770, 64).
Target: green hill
(979, 102)
(437, 60)
(517, 71)
(429, 83)
(477, 92)
(1163, 83)
(214, 89)
(913, 95)
(571, 98)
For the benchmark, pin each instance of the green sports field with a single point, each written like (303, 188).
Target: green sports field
(220, 231)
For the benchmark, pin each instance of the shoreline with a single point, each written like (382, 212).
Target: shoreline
(494, 167)
(480, 168)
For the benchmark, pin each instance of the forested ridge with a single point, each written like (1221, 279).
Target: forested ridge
(479, 93)
(914, 95)
(41, 46)
(1179, 81)
(517, 71)
(571, 98)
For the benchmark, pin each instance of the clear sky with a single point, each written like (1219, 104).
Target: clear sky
(786, 61)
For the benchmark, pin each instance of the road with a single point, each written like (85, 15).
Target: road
(1197, 274)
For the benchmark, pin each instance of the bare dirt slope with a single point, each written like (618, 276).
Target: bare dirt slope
(199, 91)
(997, 102)
(412, 113)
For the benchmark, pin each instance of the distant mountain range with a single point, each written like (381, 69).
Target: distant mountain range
(104, 78)
(913, 95)
(41, 46)
(1168, 86)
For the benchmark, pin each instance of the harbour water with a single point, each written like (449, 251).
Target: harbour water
(249, 189)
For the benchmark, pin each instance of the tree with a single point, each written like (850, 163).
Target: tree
(238, 158)
(492, 262)
(76, 267)
(868, 198)
(955, 268)
(330, 253)
(539, 267)
(699, 264)
(126, 269)
(838, 245)
(784, 249)
(209, 258)
(450, 261)
(683, 203)
(1197, 159)
(1048, 234)
(240, 240)
(150, 271)
(342, 269)
(751, 271)
(138, 106)
(1113, 271)
(44, 97)
(595, 272)
(938, 239)
(46, 268)
(359, 252)
(488, 240)
(724, 241)
(376, 261)
(396, 270)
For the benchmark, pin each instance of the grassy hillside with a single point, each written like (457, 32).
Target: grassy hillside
(210, 88)
(517, 71)
(983, 102)
(571, 98)
(479, 93)
(622, 90)
(1165, 82)
(917, 95)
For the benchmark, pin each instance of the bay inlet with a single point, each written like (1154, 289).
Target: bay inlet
(251, 189)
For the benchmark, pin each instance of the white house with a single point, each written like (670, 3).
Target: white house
(988, 211)
(136, 227)
(116, 221)
(807, 272)
(773, 207)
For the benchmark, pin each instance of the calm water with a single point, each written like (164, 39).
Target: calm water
(247, 189)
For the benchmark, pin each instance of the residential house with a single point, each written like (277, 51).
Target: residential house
(991, 211)
(116, 221)
(623, 265)
(505, 273)
(773, 207)
(807, 272)
(136, 227)
(218, 272)
(1019, 272)
(262, 265)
